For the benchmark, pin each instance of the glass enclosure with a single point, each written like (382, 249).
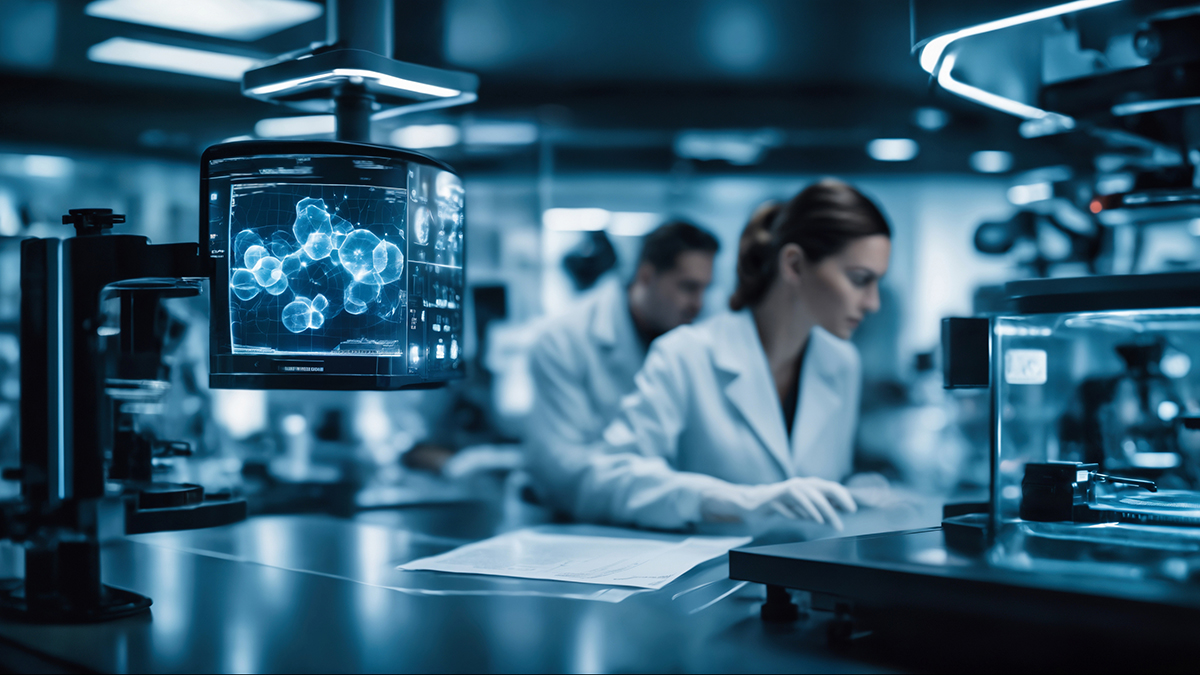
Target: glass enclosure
(1116, 389)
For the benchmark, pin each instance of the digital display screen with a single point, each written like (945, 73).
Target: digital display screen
(326, 258)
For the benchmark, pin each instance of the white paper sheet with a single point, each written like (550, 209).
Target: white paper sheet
(613, 561)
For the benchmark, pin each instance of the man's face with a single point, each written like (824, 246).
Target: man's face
(676, 296)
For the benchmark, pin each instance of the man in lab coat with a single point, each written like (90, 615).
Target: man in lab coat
(584, 362)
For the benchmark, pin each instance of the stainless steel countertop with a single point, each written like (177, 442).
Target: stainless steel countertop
(315, 593)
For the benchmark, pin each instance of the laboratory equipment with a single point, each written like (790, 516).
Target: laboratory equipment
(314, 284)
(327, 270)
(91, 361)
(1094, 499)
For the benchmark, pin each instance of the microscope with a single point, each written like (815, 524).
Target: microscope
(331, 265)
(85, 466)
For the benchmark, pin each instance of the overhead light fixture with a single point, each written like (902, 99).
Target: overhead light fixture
(1138, 107)
(1028, 194)
(230, 19)
(500, 133)
(991, 161)
(419, 136)
(946, 80)
(575, 220)
(932, 52)
(893, 149)
(740, 148)
(155, 56)
(632, 223)
(936, 60)
(1051, 124)
(37, 166)
(930, 119)
(381, 79)
(302, 125)
(311, 81)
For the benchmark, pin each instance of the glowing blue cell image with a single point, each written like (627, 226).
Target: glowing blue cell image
(357, 253)
(392, 300)
(268, 271)
(278, 287)
(292, 263)
(311, 216)
(315, 319)
(296, 315)
(341, 229)
(244, 285)
(318, 246)
(242, 243)
(320, 269)
(388, 261)
(253, 255)
(361, 294)
(421, 225)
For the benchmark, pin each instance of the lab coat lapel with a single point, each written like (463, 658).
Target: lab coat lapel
(751, 390)
(819, 400)
(612, 328)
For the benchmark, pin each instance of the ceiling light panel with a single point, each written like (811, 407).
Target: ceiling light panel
(991, 161)
(155, 56)
(304, 125)
(893, 149)
(245, 20)
(421, 136)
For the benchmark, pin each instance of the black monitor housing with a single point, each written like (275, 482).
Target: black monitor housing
(336, 265)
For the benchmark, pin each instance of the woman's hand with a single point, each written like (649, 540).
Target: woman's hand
(813, 499)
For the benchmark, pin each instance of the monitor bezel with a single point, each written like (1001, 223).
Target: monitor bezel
(345, 373)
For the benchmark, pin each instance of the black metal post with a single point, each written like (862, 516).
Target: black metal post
(366, 25)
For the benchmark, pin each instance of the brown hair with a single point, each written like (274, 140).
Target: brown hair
(823, 219)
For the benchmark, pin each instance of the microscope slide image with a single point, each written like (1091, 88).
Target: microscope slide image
(318, 269)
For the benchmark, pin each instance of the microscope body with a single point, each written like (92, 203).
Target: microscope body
(82, 472)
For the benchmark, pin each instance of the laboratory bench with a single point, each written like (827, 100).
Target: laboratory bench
(315, 593)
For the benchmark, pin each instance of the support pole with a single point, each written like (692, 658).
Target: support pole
(365, 25)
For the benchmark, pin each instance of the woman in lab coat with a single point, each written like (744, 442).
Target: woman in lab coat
(752, 412)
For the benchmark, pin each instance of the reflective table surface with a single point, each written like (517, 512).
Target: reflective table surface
(316, 593)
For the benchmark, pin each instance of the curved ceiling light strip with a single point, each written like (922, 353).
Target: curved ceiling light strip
(932, 52)
(936, 61)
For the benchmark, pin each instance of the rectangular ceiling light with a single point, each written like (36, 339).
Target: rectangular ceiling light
(230, 19)
(303, 125)
(139, 54)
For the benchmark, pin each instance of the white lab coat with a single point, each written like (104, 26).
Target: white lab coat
(705, 414)
(582, 365)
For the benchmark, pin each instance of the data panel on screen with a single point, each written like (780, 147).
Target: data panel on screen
(338, 256)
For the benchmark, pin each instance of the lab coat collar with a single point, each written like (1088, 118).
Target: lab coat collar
(611, 323)
(738, 351)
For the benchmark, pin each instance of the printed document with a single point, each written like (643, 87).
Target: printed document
(613, 561)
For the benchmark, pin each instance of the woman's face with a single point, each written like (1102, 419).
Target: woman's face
(843, 288)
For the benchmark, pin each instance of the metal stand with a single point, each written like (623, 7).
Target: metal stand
(779, 607)
(68, 433)
(353, 106)
(62, 585)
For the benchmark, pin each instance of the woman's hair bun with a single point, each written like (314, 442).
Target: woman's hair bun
(755, 255)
